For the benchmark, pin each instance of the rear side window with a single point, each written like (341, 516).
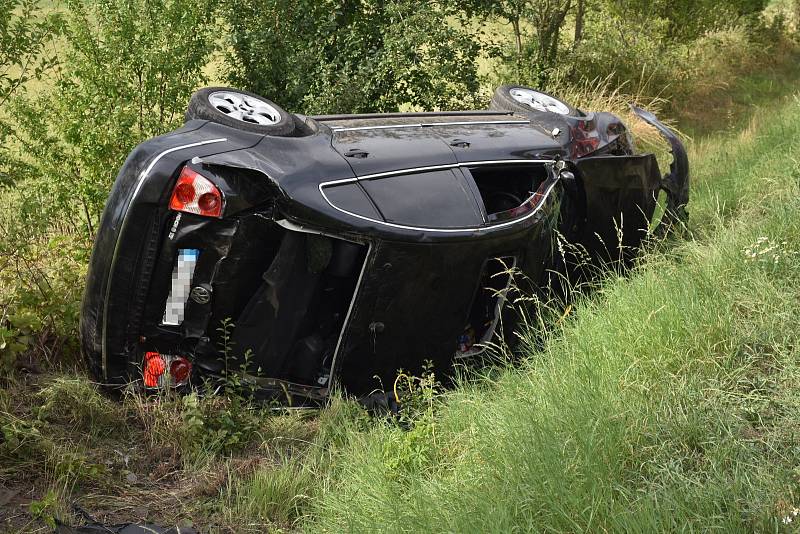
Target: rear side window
(436, 199)
(352, 198)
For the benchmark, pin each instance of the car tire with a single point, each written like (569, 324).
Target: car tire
(529, 100)
(240, 109)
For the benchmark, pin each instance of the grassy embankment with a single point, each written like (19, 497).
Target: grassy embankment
(668, 401)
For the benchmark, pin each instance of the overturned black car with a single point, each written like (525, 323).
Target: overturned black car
(314, 251)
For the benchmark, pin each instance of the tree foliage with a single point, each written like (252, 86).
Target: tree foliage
(353, 55)
(687, 19)
(620, 30)
(129, 67)
(24, 32)
(797, 14)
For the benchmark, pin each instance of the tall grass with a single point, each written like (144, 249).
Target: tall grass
(668, 402)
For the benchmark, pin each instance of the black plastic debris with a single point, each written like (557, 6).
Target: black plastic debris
(95, 527)
(124, 528)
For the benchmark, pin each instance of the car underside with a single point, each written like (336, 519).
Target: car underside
(338, 250)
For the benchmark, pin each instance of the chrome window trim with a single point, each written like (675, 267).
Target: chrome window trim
(478, 229)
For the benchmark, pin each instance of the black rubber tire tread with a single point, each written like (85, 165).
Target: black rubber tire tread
(503, 101)
(200, 108)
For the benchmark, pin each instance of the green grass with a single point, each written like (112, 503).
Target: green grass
(668, 402)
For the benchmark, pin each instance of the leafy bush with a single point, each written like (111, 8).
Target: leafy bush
(687, 19)
(41, 281)
(634, 54)
(413, 447)
(127, 69)
(641, 47)
(336, 56)
(127, 72)
(23, 36)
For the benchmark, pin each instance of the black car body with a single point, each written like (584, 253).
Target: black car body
(355, 247)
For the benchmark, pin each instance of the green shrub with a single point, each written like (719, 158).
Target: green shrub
(41, 282)
(24, 35)
(338, 57)
(127, 72)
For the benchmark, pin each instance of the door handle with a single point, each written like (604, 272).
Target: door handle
(356, 153)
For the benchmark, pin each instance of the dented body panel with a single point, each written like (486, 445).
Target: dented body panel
(361, 248)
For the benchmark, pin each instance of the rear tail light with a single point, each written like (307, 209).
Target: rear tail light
(585, 139)
(153, 369)
(163, 370)
(179, 370)
(194, 193)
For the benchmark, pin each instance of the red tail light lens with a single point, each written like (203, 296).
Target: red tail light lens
(208, 202)
(584, 140)
(154, 367)
(179, 370)
(195, 193)
(162, 370)
(184, 193)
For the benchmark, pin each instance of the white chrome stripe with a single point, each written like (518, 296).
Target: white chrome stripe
(144, 174)
(477, 229)
(413, 170)
(422, 169)
(422, 125)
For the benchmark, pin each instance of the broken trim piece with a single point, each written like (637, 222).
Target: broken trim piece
(498, 308)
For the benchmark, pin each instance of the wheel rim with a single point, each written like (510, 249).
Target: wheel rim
(244, 108)
(539, 101)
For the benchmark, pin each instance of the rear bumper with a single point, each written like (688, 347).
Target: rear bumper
(128, 238)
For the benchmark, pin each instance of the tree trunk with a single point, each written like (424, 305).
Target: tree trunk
(518, 36)
(550, 31)
(579, 16)
(518, 42)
